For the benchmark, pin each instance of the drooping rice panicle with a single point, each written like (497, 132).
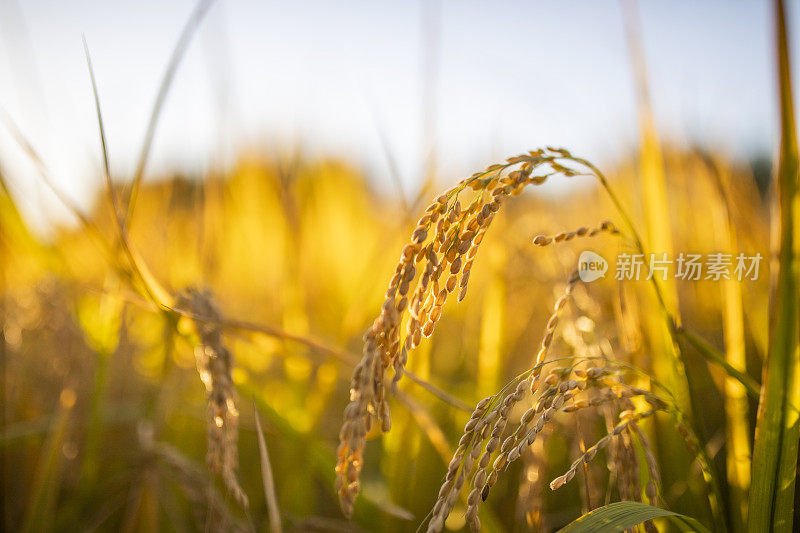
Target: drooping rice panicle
(557, 391)
(215, 365)
(437, 260)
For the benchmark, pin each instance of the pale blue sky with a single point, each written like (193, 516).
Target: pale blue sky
(331, 75)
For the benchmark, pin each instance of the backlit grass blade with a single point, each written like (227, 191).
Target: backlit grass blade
(623, 515)
(777, 430)
(713, 355)
(268, 479)
(655, 212)
(177, 54)
(150, 285)
(737, 428)
(47, 481)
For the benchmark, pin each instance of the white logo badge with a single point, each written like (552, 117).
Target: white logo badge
(591, 266)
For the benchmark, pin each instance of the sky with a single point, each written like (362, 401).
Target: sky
(476, 81)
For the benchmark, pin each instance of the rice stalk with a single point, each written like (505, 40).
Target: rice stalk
(772, 492)
(736, 403)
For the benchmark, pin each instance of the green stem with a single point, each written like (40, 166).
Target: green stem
(685, 392)
(711, 354)
(777, 428)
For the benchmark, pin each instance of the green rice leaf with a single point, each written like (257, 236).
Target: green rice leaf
(620, 516)
(778, 425)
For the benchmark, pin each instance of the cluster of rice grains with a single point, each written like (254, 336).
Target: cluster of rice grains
(436, 263)
(214, 365)
(607, 227)
(487, 448)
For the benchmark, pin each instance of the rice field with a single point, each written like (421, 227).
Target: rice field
(285, 347)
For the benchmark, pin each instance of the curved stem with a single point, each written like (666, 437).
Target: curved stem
(673, 326)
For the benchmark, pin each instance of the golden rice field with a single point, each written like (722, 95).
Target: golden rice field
(282, 347)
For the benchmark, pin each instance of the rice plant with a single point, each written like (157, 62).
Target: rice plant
(225, 353)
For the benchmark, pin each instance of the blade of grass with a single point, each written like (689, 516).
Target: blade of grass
(166, 82)
(112, 196)
(267, 479)
(46, 483)
(620, 516)
(680, 387)
(150, 285)
(712, 355)
(651, 160)
(737, 428)
(319, 457)
(777, 429)
(658, 233)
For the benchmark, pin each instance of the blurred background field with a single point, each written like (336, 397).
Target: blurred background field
(306, 247)
(104, 415)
